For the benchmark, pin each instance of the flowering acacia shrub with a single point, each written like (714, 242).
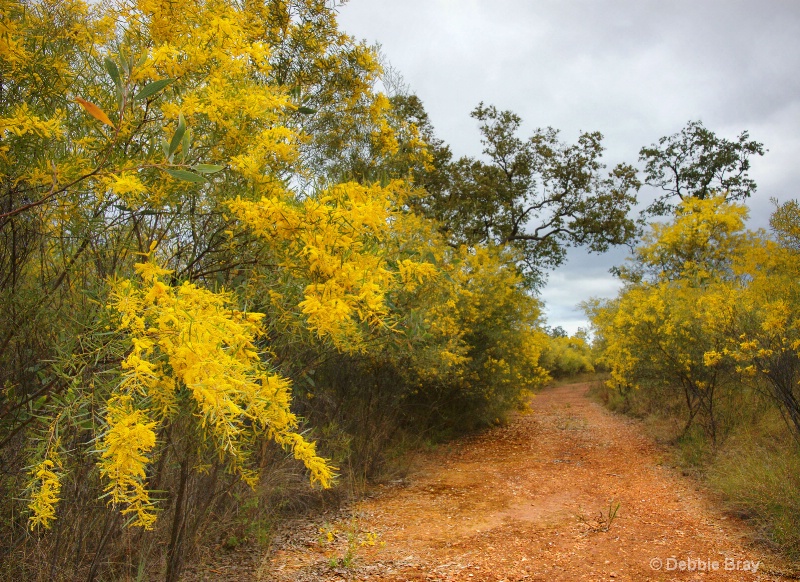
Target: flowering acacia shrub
(178, 251)
(705, 333)
(708, 305)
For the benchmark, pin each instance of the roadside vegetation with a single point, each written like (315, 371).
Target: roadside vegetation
(703, 343)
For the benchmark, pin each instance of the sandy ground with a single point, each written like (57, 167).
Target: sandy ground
(567, 491)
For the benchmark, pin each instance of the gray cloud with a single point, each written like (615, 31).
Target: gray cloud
(634, 69)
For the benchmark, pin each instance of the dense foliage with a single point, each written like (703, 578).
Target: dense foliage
(207, 257)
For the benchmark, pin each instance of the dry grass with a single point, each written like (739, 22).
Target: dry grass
(758, 472)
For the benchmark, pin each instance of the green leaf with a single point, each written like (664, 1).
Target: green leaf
(294, 93)
(306, 110)
(113, 72)
(176, 139)
(185, 175)
(431, 258)
(165, 148)
(123, 59)
(152, 88)
(186, 144)
(207, 168)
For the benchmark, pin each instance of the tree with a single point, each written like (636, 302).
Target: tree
(765, 336)
(677, 307)
(696, 163)
(697, 245)
(785, 223)
(539, 195)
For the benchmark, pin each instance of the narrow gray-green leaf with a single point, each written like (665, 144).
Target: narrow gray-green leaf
(123, 59)
(176, 139)
(152, 88)
(113, 72)
(306, 110)
(207, 168)
(186, 143)
(185, 175)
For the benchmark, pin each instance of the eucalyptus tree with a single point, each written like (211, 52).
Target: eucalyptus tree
(539, 194)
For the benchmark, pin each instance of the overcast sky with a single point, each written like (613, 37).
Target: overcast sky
(634, 70)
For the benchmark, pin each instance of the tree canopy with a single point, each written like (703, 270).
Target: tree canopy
(539, 195)
(695, 163)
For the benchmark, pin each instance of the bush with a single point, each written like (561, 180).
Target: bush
(567, 356)
(183, 278)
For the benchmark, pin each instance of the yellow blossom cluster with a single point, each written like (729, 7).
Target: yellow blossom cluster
(188, 338)
(46, 489)
(330, 242)
(126, 443)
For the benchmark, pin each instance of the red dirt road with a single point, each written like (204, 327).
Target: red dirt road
(531, 501)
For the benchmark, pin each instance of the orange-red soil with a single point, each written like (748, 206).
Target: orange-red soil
(531, 501)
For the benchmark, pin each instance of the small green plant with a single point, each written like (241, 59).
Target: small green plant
(606, 519)
(327, 534)
(603, 520)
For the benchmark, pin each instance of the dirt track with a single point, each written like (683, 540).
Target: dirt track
(531, 501)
